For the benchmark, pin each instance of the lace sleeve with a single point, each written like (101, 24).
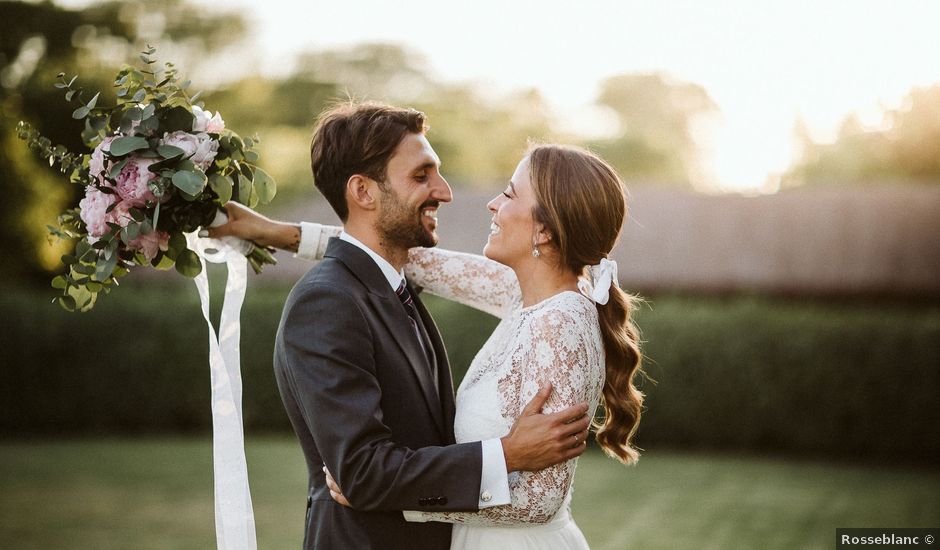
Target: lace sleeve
(562, 351)
(469, 279)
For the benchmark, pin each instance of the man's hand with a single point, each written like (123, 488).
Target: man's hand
(537, 440)
(335, 492)
(247, 224)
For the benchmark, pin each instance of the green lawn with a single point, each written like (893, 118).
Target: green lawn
(157, 493)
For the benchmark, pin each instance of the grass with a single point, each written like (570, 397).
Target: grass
(156, 493)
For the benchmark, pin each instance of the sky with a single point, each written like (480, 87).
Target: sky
(765, 64)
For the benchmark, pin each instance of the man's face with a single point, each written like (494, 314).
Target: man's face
(414, 190)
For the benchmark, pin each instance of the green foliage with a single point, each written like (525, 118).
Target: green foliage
(656, 115)
(905, 147)
(744, 373)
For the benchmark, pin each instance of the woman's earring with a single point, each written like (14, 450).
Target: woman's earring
(535, 251)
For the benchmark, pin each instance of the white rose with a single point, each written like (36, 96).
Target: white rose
(201, 120)
(215, 124)
(199, 148)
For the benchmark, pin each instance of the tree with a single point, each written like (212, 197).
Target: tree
(906, 147)
(39, 40)
(658, 117)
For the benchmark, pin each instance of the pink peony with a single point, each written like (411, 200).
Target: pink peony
(119, 214)
(149, 244)
(205, 121)
(93, 211)
(199, 148)
(98, 163)
(132, 182)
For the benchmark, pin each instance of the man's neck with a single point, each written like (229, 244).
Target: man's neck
(394, 255)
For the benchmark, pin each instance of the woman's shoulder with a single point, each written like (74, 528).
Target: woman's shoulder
(565, 309)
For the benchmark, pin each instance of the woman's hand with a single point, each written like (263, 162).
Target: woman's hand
(247, 224)
(335, 492)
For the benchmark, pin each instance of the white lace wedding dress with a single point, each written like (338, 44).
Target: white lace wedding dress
(557, 340)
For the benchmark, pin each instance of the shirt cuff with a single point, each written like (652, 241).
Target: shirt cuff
(414, 516)
(494, 481)
(309, 241)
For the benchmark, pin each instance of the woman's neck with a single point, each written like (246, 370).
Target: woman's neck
(539, 280)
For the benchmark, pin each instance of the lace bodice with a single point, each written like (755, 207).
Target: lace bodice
(557, 340)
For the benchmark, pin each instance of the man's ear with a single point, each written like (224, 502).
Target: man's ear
(362, 191)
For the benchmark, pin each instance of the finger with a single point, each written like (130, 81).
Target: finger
(577, 427)
(338, 497)
(571, 414)
(580, 438)
(534, 406)
(331, 483)
(574, 452)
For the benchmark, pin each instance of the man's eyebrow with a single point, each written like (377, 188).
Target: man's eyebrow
(426, 166)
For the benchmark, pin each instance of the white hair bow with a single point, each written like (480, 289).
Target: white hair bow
(603, 275)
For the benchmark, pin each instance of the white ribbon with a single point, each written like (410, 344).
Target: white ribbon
(234, 517)
(602, 275)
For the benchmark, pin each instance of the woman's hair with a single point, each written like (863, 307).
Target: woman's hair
(580, 200)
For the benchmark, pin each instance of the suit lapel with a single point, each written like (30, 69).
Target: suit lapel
(388, 308)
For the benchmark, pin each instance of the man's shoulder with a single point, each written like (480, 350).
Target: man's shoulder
(329, 276)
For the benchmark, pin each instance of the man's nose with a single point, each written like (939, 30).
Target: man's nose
(441, 190)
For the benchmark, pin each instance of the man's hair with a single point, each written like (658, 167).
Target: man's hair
(357, 138)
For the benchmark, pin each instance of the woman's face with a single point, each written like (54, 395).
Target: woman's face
(512, 233)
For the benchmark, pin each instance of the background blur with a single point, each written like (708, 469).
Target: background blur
(783, 167)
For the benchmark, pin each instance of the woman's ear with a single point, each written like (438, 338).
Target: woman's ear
(542, 235)
(362, 191)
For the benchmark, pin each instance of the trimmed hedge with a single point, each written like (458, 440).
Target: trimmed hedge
(754, 373)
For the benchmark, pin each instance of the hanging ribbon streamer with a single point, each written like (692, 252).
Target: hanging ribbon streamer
(234, 517)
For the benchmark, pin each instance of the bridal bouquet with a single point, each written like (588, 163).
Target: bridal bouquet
(160, 166)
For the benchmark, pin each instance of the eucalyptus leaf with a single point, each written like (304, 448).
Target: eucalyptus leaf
(83, 299)
(162, 262)
(188, 264)
(67, 303)
(177, 118)
(222, 186)
(191, 183)
(170, 151)
(264, 186)
(94, 101)
(105, 267)
(115, 170)
(81, 112)
(124, 145)
(246, 192)
(59, 282)
(176, 245)
(140, 95)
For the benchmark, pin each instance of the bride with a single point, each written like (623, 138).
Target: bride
(545, 273)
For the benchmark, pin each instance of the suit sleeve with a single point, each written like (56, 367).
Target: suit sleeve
(328, 352)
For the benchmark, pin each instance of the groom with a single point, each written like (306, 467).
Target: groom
(359, 362)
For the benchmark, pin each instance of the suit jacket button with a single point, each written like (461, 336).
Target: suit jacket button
(442, 500)
(422, 502)
(486, 496)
